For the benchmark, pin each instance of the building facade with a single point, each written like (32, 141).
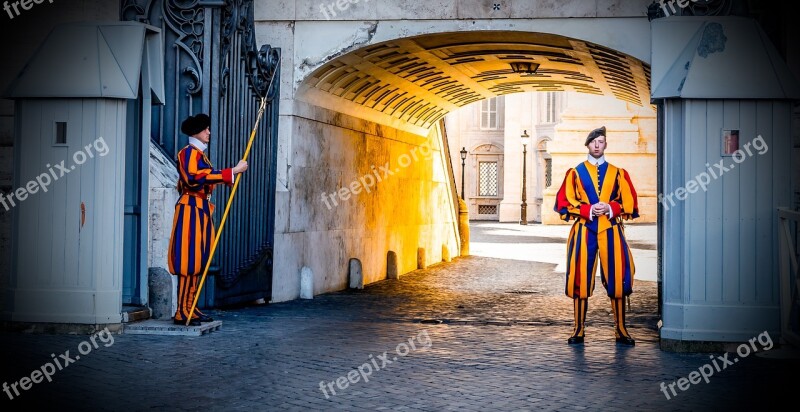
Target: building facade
(556, 123)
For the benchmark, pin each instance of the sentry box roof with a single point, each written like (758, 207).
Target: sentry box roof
(94, 59)
(717, 58)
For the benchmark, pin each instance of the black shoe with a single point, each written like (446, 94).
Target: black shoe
(194, 322)
(202, 317)
(626, 340)
(575, 340)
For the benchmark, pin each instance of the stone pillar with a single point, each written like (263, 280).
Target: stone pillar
(355, 274)
(463, 226)
(391, 266)
(519, 117)
(306, 283)
(421, 263)
(159, 283)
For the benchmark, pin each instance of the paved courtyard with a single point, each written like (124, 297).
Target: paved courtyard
(483, 332)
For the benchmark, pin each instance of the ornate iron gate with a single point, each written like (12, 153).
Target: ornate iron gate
(212, 65)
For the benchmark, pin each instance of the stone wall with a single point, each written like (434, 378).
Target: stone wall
(444, 9)
(359, 190)
(320, 151)
(162, 198)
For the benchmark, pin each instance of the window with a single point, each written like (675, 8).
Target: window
(548, 172)
(550, 107)
(61, 133)
(489, 113)
(487, 185)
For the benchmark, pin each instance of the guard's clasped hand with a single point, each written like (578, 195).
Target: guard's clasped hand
(600, 208)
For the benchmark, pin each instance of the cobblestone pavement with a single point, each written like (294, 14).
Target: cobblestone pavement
(478, 333)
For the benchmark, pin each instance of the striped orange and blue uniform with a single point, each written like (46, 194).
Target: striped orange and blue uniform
(192, 227)
(583, 186)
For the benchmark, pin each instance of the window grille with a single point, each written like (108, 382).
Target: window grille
(548, 172)
(487, 209)
(487, 186)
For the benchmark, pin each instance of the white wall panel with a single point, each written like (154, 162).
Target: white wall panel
(721, 282)
(64, 272)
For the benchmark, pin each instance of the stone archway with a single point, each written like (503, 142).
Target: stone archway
(411, 83)
(358, 107)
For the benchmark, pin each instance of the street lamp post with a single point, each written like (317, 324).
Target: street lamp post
(463, 158)
(523, 218)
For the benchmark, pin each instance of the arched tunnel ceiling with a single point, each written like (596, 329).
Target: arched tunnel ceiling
(418, 80)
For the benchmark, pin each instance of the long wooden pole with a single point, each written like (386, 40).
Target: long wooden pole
(227, 209)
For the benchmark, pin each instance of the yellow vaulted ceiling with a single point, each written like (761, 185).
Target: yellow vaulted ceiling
(420, 79)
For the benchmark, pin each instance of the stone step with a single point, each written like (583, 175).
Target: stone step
(135, 313)
(167, 327)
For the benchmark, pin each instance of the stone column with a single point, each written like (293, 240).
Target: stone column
(519, 117)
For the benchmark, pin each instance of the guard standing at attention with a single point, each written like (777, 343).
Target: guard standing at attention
(598, 196)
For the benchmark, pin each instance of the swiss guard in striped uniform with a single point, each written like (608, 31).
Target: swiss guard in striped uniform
(598, 196)
(192, 227)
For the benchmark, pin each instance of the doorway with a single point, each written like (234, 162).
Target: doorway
(134, 283)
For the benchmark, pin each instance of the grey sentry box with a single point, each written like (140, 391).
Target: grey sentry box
(88, 89)
(712, 75)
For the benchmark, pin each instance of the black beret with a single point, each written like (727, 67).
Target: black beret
(594, 134)
(195, 124)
